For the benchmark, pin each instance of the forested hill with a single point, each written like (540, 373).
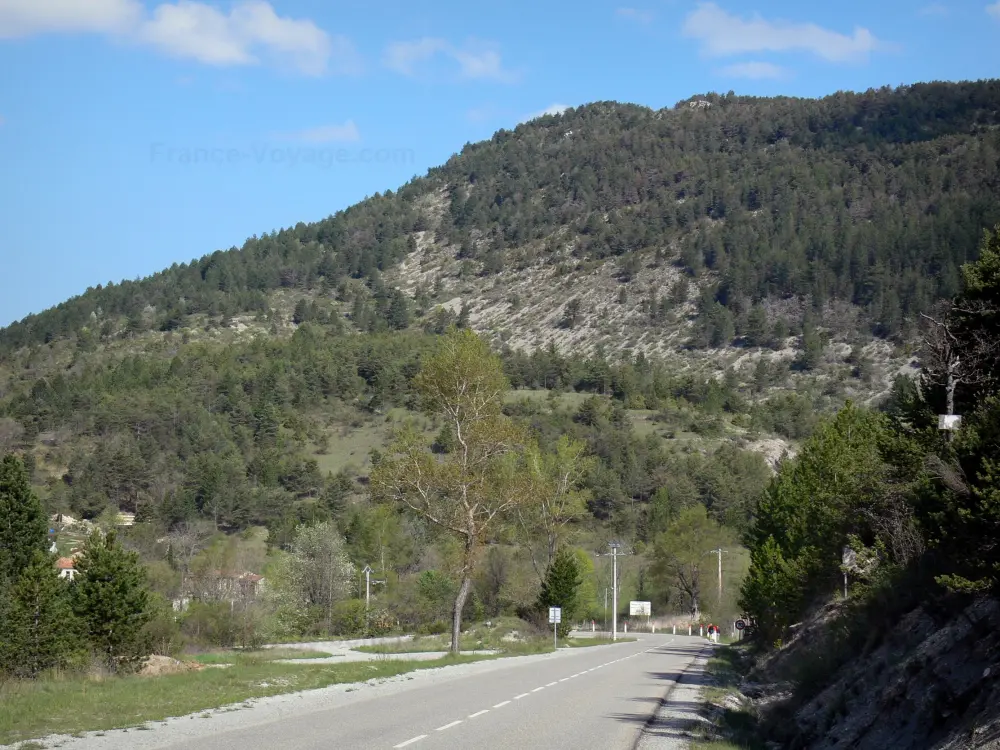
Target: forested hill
(873, 199)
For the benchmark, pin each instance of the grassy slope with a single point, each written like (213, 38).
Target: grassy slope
(67, 706)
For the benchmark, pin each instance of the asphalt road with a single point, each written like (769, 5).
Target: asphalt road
(584, 699)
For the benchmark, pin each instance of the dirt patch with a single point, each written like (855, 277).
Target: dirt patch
(158, 666)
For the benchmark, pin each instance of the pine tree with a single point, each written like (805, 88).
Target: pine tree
(560, 588)
(40, 631)
(112, 602)
(22, 522)
(399, 314)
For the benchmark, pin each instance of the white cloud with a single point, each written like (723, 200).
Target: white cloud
(26, 17)
(634, 14)
(476, 60)
(934, 10)
(994, 10)
(251, 29)
(754, 70)
(249, 34)
(345, 133)
(722, 34)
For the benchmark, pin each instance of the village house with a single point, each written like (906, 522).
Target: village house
(216, 586)
(66, 567)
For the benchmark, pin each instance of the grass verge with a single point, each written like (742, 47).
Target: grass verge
(734, 723)
(29, 710)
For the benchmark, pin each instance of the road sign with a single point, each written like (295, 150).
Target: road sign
(949, 421)
(555, 615)
(740, 624)
(639, 609)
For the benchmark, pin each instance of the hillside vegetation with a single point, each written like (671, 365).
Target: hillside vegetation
(677, 297)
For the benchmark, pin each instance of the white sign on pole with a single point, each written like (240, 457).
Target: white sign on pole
(555, 615)
(639, 609)
(949, 421)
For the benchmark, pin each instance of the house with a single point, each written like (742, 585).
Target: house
(219, 586)
(66, 567)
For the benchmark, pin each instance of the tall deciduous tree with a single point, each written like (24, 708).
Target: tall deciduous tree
(559, 498)
(319, 567)
(22, 522)
(112, 602)
(478, 486)
(680, 558)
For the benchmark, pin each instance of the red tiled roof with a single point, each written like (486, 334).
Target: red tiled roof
(65, 563)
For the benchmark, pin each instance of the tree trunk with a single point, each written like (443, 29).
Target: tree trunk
(456, 618)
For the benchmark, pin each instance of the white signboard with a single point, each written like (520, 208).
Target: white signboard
(949, 421)
(639, 609)
(555, 615)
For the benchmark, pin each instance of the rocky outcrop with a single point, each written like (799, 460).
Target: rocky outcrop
(927, 686)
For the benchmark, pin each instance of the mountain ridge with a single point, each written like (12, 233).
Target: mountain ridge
(660, 182)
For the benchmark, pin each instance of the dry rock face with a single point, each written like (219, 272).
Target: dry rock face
(928, 686)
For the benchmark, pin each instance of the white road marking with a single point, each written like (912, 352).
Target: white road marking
(552, 683)
(522, 695)
(448, 726)
(478, 713)
(538, 688)
(500, 705)
(564, 679)
(410, 742)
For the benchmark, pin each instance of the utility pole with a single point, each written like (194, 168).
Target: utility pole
(615, 546)
(368, 572)
(718, 551)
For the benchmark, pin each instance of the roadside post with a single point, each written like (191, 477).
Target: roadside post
(555, 617)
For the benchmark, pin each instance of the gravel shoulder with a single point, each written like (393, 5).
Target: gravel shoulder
(680, 711)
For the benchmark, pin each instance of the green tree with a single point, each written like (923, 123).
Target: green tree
(680, 559)
(319, 568)
(399, 311)
(301, 312)
(756, 327)
(807, 513)
(39, 629)
(560, 588)
(112, 602)
(476, 488)
(560, 498)
(23, 530)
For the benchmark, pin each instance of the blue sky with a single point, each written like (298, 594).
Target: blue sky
(137, 133)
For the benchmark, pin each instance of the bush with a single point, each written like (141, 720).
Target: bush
(437, 627)
(348, 617)
(164, 630)
(210, 624)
